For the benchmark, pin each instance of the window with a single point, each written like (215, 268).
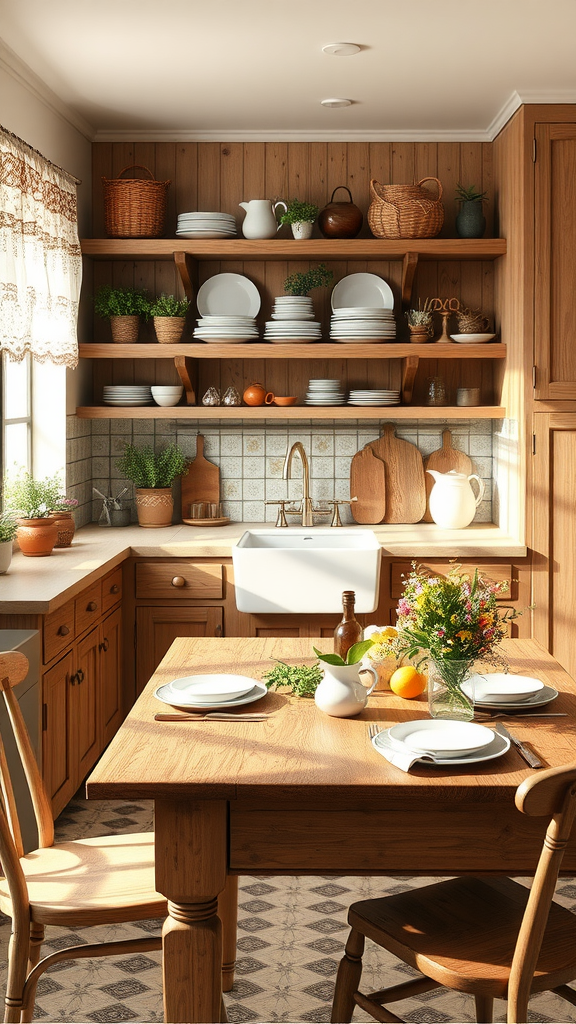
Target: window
(16, 414)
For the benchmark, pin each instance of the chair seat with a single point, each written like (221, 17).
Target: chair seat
(462, 933)
(91, 881)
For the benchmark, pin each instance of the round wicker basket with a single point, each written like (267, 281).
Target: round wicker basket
(405, 211)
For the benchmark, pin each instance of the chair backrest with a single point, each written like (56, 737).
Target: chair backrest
(550, 793)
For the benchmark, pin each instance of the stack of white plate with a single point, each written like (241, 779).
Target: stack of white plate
(325, 392)
(211, 691)
(379, 396)
(293, 321)
(127, 394)
(228, 305)
(206, 225)
(362, 324)
(226, 328)
(293, 307)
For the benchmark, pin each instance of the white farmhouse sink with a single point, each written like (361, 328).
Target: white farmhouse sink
(304, 570)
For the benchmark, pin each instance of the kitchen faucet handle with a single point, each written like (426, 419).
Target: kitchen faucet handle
(336, 520)
(281, 517)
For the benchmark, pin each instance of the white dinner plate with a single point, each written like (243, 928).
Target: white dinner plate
(442, 737)
(544, 696)
(231, 294)
(498, 746)
(472, 339)
(207, 233)
(167, 696)
(211, 688)
(503, 687)
(362, 290)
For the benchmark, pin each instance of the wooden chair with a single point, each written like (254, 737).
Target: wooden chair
(491, 937)
(86, 882)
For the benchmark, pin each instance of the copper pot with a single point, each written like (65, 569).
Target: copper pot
(340, 220)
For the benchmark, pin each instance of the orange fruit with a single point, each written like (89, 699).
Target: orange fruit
(407, 682)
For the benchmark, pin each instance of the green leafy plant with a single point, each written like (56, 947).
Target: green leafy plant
(8, 527)
(110, 301)
(147, 468)
(169, 305)
(470, 194)
(28, 498)
(301, 680)
(302, 284)
(353, 655)
(299, 212)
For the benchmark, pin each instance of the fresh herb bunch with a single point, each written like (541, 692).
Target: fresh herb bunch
(147, 468)
(28, 498)
(470, 194)
(169, 305)
(8, 527)
(354, 654)
(301, 680)
(110, 301)
(298, 212)
(302, 284)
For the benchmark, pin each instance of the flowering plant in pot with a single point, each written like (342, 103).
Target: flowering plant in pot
(31, 502)
(153, 474)
(301, 217)
(123, 307)
(8, 527)
(169, 315)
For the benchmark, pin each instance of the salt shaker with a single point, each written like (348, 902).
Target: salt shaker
(231, 397)
(212, 397)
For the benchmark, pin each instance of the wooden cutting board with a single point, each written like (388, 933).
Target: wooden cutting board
(444, 460)
(404, 476)
(201, 482)
(368, 484)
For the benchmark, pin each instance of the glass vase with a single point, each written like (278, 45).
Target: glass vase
(451, 690)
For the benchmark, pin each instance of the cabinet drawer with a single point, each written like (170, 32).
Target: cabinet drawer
(497, 573)
(88, 607)
(112, 589)
(179, 579)
(58, 630)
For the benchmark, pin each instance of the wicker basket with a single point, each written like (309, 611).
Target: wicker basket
(134, 207)
(405, 211)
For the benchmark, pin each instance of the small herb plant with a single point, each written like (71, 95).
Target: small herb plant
(302, 284)
(419, 318)
(470, 194)
(8, 527)
(147, 468)
(110, 301)
(28, 498)
(353, 656)
(298, 212)
(169, 305)
(301, 680)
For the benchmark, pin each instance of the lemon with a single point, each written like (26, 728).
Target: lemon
(407, 682)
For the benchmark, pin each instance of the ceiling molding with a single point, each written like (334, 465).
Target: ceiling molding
(23, 74)
(277, 135)
(506, 111)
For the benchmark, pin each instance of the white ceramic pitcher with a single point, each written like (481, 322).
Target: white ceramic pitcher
(452, 500)
(260, 220)
(341, 694)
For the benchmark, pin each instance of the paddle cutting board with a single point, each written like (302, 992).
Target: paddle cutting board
(444, 460)
(368, 484)
(201, 482)
(404, 476)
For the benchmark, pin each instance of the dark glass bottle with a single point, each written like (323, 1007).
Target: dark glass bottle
(349, 630)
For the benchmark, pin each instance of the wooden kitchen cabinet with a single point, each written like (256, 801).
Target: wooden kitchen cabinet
(158, 627)
(110, 667)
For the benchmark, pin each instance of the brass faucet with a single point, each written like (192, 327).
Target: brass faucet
(306, 505)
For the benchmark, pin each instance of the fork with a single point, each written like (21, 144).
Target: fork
(485, 716)
(373, 730)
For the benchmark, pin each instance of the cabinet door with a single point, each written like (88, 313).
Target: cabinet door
(57, 769)
(157, 628)
(110, 694)
(293, 625)
(554, 536)
(84, 706)
(555, 261)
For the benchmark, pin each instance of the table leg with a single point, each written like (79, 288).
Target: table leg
(190, 847)
(228, 914)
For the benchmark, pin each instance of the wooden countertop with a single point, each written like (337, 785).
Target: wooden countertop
(39, 585)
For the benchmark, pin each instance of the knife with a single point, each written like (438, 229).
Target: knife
(221, 716)
(532, 759)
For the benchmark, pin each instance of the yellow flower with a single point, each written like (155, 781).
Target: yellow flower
(464, 634)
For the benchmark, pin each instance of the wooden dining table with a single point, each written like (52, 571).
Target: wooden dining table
(305, 793)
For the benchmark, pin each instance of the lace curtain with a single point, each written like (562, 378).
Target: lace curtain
(40, 259)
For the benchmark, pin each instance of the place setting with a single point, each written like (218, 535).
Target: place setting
(213, 697)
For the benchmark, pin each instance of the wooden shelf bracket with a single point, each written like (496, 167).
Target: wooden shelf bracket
(188, 269)
(409, 265)
(186, 368)
(409, 370)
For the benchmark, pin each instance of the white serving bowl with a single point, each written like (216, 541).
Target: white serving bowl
(167, 396)
(165, 389)
(166, 400)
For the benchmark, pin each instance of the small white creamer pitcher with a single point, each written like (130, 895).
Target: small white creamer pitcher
(260, 220)
(341, 694)
(452, 500)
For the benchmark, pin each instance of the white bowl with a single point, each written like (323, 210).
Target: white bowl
(472, 339)
(173, 389)
(504, 688)
(166, 400)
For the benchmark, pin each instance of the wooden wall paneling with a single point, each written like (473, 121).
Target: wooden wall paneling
(336, 169)
(185, 185)
(232, 191)
(233, 375)
(298, 177)
(402, 163)
(254, 161)
(209, 176)
(425, 159)
(449, 175)
(166, 171)
(101, 168)
(380, 168)
(209, 376)
(488, 186)
(256, 271)
(276, 170)
(122, 156)
(359, 181)
(274, 274)
(145, 154)
(317, 176)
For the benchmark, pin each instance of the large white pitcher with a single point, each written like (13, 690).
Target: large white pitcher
(452, 500)
(341, 694)
(260, 220)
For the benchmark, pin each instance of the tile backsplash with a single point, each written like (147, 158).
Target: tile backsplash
(251, 458)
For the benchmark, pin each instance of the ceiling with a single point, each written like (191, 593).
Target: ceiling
(255, 68)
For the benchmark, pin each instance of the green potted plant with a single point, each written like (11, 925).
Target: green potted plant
(169, 315)
(123, 307)
(301, 217)
(153, 474)
(31, 502)
(303, 283)
(470, 221)
(8, 527)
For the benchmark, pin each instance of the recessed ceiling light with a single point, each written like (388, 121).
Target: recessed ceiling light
(336, 102)
(341, 49)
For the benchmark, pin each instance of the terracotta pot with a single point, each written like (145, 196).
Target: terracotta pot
(154, 506)
(169, 329)
(124, 329)
(66, 528)
(36, 537)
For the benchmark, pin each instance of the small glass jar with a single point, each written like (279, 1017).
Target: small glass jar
(436, 391)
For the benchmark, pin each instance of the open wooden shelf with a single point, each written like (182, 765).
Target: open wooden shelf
(268, 350)
(294, 412)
